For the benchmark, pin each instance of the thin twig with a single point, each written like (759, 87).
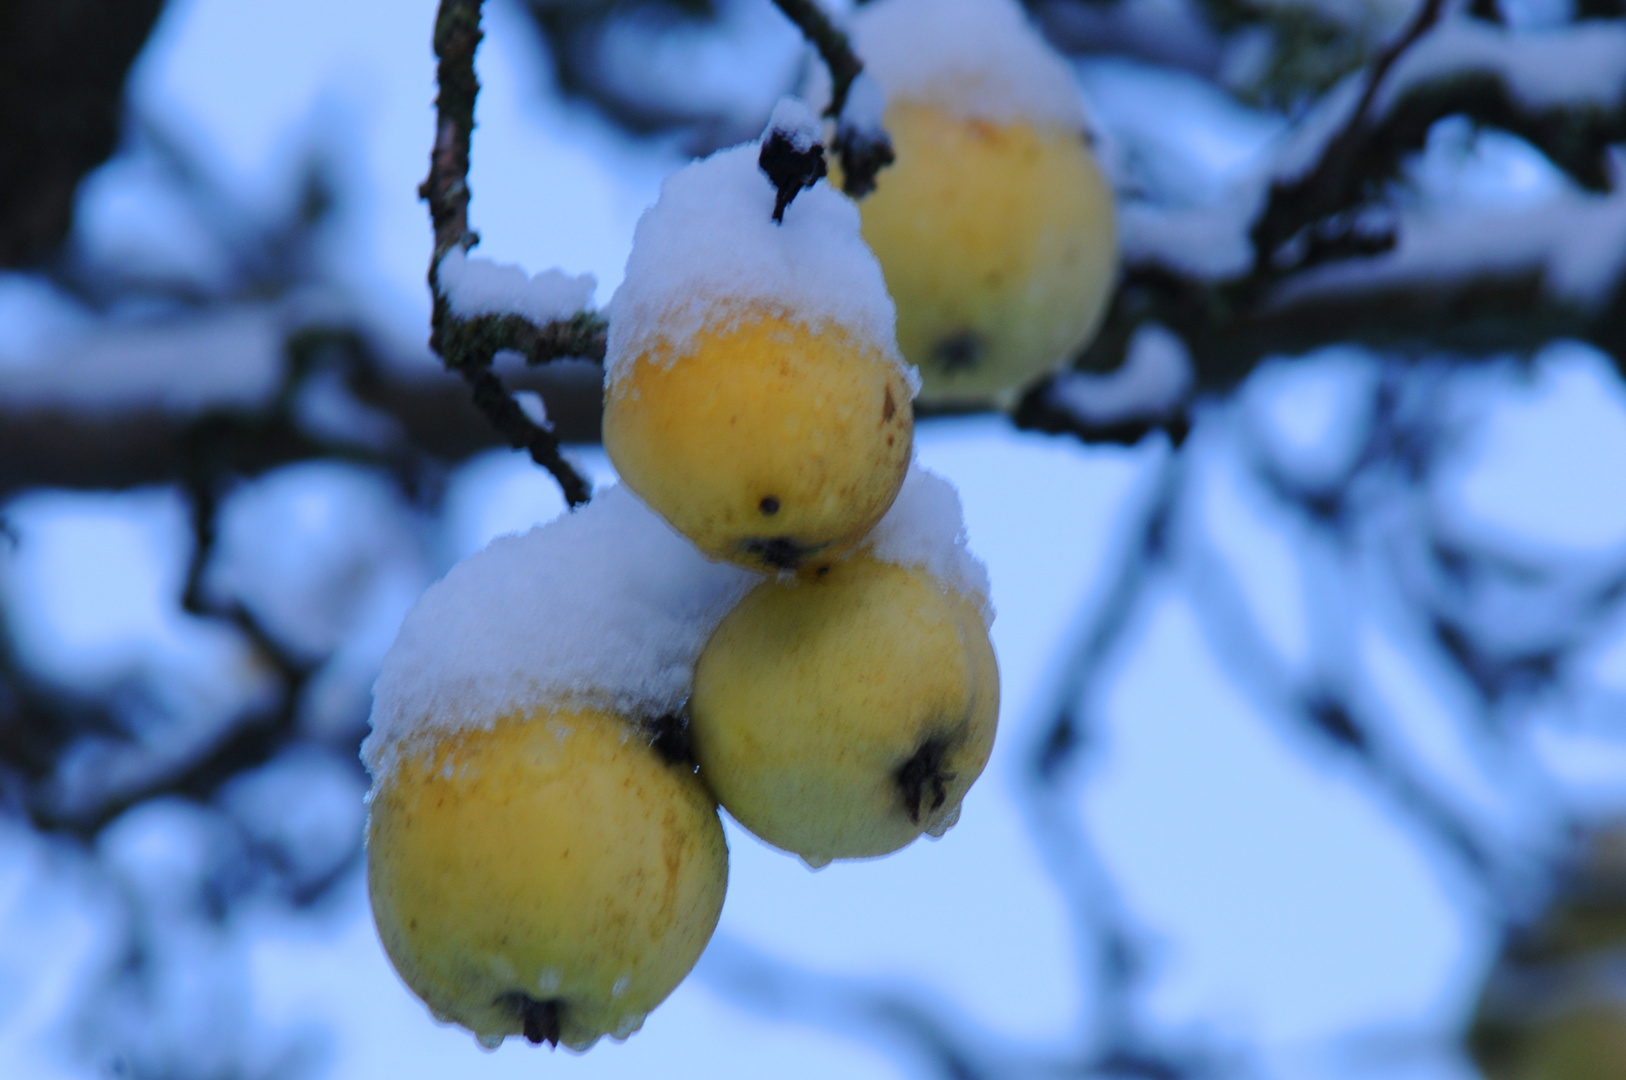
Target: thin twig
(834, 49)
(1108, 943)
(457, 36)
(1326, 189)
(861, 143)
(469, 346)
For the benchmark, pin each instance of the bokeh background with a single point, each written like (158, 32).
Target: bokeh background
(1312, 750)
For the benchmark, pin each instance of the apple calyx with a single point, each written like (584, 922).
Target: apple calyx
(540, 1019)
(922, 775)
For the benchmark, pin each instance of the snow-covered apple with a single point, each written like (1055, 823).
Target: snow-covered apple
(536, 867)
(995, 227)
(754, 393)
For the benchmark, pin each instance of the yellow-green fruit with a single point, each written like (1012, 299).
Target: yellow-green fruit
(551, 877)
(1553, 1008)
(999, 247)
(1583, 1040)
(842, 715)
(765, 442)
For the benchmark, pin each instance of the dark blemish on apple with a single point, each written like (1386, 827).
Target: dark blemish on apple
(769, 505)
(962, 351)
(889, 408)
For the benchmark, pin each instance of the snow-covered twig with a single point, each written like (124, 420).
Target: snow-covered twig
(63, 425)
(1562, 90)
(1338, 177)
(469, 346)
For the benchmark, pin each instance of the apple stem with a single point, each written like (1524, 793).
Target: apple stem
(779, 552)
(789, 168)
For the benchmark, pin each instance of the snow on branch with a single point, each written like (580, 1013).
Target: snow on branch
(482, 287)
(1562, 90)
(173, 367)
(1574, 246)
(1153, 380)
(1569, 67)
(1339, 177)
(1311, 246)
(481, 308)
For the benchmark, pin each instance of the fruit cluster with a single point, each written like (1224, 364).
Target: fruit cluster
(560, 716)
(776, 611)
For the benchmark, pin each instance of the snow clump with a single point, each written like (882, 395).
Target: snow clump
(925, 528)
(979, 59)
(603, 608)
(482, 287)
(796, 122)
(709, 253)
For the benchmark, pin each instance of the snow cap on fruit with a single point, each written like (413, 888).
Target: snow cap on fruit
(925, 529)
(603, 608)
(709, 252)
(978, 59)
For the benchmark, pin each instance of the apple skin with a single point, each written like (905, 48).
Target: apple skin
(1552, 1007)
(551, 876)
(767, 443)
(999, 246)
(843, 715)
(1578, 1040)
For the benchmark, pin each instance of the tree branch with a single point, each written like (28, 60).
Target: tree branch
(1336, 180)
(834, 49)
(468, 347)
(55, 445)
(61, 103)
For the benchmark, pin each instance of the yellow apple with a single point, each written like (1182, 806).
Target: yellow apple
(1575, 1040)
(1553, 1007)
(843, 714)
(549, 876)
(765, 441)
(999, 246)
